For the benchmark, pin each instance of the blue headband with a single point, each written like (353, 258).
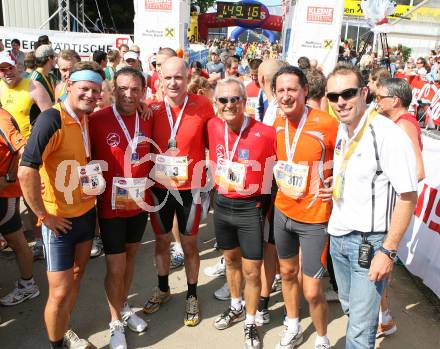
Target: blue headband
(87, 75)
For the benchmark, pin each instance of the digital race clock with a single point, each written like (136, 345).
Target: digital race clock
(238, 10)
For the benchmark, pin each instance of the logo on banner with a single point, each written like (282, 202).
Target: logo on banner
(159, 5)
(328, 43)
(121, 41)
(169, 32)
(320, 14)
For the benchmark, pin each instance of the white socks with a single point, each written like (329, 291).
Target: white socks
(236, 303)
(322, 340)
(292, 325)
(385, 316)
(250, 319)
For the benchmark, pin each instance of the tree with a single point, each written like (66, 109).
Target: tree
(203, 4)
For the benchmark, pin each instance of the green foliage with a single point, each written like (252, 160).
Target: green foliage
(406, 52)
(203, 4)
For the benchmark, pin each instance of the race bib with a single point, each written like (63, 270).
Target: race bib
(128, 193)
(230, 175)
(174, 168)
(91, 180)
(291, 178)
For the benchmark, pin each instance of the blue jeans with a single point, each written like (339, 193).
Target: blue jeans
(359, 297)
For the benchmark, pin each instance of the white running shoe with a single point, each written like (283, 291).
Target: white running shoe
(223, 293)
(133, 321)
(72, 341)
(117, 335)
(290, 340)
(218, 269)
(19, 294)
(97, 247)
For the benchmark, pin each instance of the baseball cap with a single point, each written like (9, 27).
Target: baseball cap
(215, 51)
(131, 55)
(5, 58)
(44, 51)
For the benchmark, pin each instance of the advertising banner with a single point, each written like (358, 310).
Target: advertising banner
(419, 248)
(83, 43)
(315, 32)
(161, 23)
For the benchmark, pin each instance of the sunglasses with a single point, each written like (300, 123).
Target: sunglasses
(379, 97)
(9, 68)
(419, 62)
(226, 100)
(347, 94)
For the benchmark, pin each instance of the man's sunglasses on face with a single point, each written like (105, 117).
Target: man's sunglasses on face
(226, 100)
(8, 68)
(347, 94)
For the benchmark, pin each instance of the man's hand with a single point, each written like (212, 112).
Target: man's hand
(326, 193)
(58, 225)
(145, 111)
(381, 267)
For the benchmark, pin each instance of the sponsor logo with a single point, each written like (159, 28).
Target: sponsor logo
(113, 139)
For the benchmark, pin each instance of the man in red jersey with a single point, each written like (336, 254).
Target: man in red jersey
(243, 151)
(179, 122)
(119, 139)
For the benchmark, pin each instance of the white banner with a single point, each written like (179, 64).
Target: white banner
(315, 32)
(420, 247)
(83, 43)
(161, 23)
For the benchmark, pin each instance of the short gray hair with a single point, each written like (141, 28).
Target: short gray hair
(228, 81)
(398, 88)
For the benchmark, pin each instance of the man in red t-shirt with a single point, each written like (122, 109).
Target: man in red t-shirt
(242, 152)
(119, 139)
(179, 123)
(253, 88)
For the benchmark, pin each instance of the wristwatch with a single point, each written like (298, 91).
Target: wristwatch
(392, 254)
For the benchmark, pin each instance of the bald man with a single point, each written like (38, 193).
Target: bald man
(266, 71)
(179, 131)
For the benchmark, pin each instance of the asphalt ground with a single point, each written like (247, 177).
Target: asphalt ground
(418, 319)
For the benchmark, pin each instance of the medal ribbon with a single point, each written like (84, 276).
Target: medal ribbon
(133, 142)
(174, 127)
(84, 130)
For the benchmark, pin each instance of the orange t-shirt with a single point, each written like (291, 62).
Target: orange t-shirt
(315, 147)
(9, 129)
(190, 136)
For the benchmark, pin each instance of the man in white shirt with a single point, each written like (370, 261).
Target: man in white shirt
(373, 162)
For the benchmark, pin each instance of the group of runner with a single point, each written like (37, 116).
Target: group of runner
(260, 143)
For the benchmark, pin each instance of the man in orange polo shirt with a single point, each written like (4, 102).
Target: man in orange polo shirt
(57, 154)
(305, 143)
(11, 146)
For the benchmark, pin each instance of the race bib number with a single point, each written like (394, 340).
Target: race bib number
(251, 106)
(91, 180)
(291, 178)
(128, 193)
(230, 175)
(173, 168)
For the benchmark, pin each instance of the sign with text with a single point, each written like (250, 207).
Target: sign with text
(420, 246)
(83, 43)
(315, 32)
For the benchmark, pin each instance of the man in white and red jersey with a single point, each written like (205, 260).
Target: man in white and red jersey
(243, 151)
(179, 123)
(119, 139)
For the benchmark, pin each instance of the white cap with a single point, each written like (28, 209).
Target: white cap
(131, 55)
(5, 58)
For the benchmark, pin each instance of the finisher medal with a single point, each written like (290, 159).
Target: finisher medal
(172, 144)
